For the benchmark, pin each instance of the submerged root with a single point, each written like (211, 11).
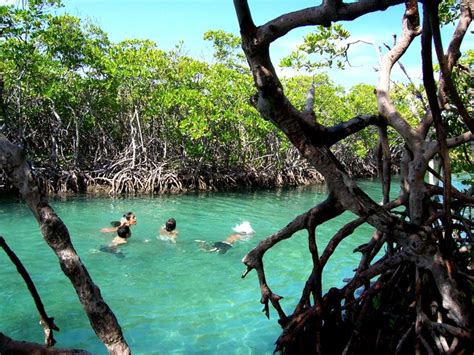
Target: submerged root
(149, 175)
(379, 320)
(170, 177)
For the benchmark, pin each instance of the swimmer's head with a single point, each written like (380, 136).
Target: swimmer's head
(124, 232)
(130, 218)
(170, 224)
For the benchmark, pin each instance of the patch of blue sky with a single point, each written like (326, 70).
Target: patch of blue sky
(168, 22)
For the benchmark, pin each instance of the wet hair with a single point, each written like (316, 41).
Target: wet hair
(124, 232)
(128, 215)
(170, 224)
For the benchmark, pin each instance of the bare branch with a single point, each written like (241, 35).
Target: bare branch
(385, 174)
(418, 93)
(446, 83)
(10, 346)
(453, 142)
(47, 322)
(453, 52)
(462, 198)
(373, 44)
(254, 259)
(344, 232)
(430, 10)
(345, 129)
(245, 17)
(329, 11)
(324, 211)
(376, 269)
(403, 339)
(386, 106)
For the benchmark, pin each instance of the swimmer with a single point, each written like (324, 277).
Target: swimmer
(219, 247)
(128, 219)
(169, 231)
(244, 230)
(123, 233)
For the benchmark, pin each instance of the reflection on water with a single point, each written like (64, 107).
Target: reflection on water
(170, 297)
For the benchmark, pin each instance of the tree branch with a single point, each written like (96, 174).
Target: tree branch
(385, 166)
(10, 346)
(386, 107)
(453, 53)
(433, 147)
(343, 130)
(430, 10)
(380, 266)
(55, 233)
(244, 16)
(326, 210)
(304, 133)
(341, 234)
(47, 322)
(329, 11)
(445, 82)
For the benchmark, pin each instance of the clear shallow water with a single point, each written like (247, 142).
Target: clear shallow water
(169, 298)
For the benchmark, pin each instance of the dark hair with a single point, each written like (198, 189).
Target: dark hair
(170, 224)
(128, 215)
(124, 232)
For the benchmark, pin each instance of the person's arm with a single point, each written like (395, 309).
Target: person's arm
(109, 230)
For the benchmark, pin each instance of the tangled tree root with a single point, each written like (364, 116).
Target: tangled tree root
(177, 176)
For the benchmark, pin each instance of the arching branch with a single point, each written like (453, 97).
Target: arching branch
(329, 11)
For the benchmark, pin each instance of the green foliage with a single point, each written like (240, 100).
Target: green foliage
(226, 47)
(77, 100)
(322, 48)
(449, 11)
(71, 93)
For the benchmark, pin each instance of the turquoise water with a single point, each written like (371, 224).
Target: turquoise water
(169, 298)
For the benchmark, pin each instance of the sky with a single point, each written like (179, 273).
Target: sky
(169, 21)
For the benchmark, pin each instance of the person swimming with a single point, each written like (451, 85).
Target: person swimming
(128, 219)
(123, 234)
(243, 232)
(168, 231)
